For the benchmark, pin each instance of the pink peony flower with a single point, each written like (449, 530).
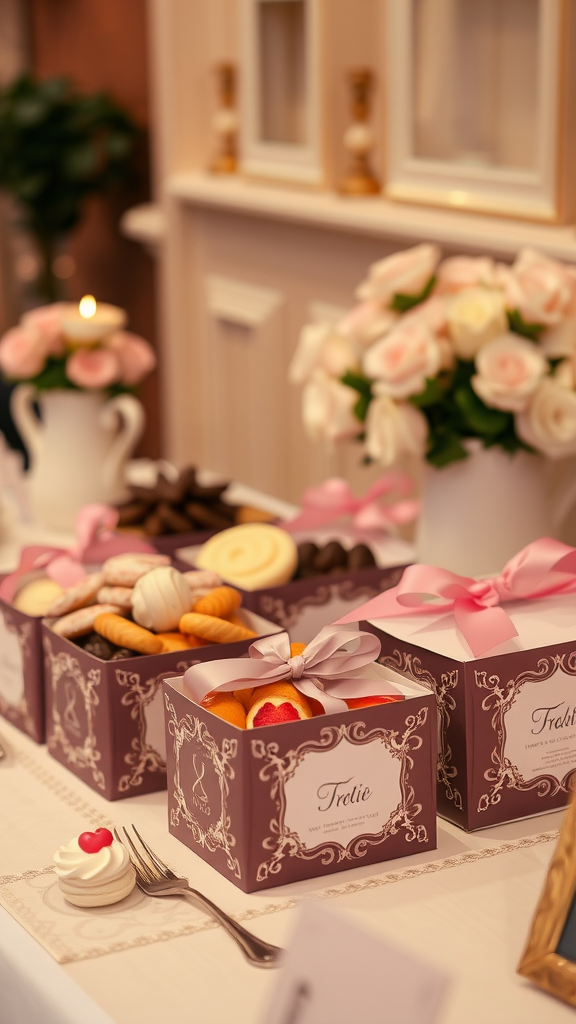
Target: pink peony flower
(93, 368)
(22, 353)
(135, 356)
(47, 321)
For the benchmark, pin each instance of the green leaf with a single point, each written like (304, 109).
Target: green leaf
(357, 382)
(445, 448)
(53, 376)
(433, 393)
(479, 417)
(402, 303)
(519, 326)
(361, 407)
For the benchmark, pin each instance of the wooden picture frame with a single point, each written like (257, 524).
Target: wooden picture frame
(544, 960)
(533, 191)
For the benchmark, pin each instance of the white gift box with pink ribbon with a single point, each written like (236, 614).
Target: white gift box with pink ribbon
(500, 655)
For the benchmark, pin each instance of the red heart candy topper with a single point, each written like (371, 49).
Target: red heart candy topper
(93, 842)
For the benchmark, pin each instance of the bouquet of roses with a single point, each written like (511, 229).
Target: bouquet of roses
(37, 351)
(438, 352)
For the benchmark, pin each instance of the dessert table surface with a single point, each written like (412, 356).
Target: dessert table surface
(465, 907)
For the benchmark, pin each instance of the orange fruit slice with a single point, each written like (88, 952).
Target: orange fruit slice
(225, 706)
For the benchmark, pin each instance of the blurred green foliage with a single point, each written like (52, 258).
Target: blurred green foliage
(58, 146)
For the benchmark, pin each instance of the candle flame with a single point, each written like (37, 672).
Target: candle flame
(87, 307)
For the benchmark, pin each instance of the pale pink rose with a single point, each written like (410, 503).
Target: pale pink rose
(541, 289)
(394, 429)
(135, 356)
(434, 313)
(461, 272)
(367, 322)
(93, 368)
(327, 408)
(22, 354)
(509, 371)
(549, 423)
(475, 316)
(404, 273)
(559, 340)
(47, 320)
(404, 359)
(320, 347)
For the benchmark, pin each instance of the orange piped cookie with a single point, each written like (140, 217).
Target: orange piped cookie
(220, 602)
(175, 642)
(127, 634)
(210, 628)
(276, 703)
(226, 706)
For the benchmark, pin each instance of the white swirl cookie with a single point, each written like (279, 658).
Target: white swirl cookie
(78, 596)
(160, 599)
(81, 621)
(125, 570)
(94, 870)
(251, 556)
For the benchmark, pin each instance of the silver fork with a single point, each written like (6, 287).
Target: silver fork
(156, 879)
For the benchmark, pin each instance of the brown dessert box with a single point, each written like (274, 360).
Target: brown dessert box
(507, 719)
(105, 719)
(282, 803)
(21, 682)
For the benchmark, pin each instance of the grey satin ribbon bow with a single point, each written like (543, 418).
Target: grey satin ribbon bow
(329, 668)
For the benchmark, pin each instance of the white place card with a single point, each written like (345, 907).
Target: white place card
(335, 972)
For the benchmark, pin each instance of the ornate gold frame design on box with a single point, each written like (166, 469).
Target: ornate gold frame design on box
(540, 962)
(216, 836)
(408, 665)
(278, 769)
(87, 755)
(500, 699)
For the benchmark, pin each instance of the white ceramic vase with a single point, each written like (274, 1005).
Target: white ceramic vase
(77, 451)
(477, 513)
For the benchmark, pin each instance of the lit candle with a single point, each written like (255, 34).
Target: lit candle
(91, 321)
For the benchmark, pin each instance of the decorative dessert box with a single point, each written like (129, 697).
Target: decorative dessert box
(507, 718)
(286, 802)
(105, 719)
(21, 685)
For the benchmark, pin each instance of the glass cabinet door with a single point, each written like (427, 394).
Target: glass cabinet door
(279, 85)
(472, 103)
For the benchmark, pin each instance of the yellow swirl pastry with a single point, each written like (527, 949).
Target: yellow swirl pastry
(251, 556)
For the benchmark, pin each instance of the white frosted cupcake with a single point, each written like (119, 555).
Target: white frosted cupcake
(94, 870)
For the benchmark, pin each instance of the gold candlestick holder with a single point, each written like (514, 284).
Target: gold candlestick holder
(359, 138)
(225, 121)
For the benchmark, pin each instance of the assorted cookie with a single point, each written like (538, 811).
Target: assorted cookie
(157, 609)
(182, 506)
(261, 555)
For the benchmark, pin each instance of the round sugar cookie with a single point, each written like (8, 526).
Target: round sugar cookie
(36, 596)
(251, 556)
(78, 596)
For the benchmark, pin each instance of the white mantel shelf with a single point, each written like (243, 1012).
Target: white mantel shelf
(371, 216)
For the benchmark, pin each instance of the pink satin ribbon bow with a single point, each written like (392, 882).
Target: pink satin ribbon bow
(328, 669)
(541, 569)
(334, 498)
(95, 542)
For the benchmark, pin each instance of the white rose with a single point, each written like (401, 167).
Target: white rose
(320, 347)
(366, 323)
(509, 371)
(394, 429)
(404, 273)
(541, 289)
(549, 423)
(403, 360)
(462, 272)
(475, 316)
(327, 408)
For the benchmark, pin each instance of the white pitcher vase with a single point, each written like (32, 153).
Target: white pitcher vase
(479, 512)
(77, 450)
